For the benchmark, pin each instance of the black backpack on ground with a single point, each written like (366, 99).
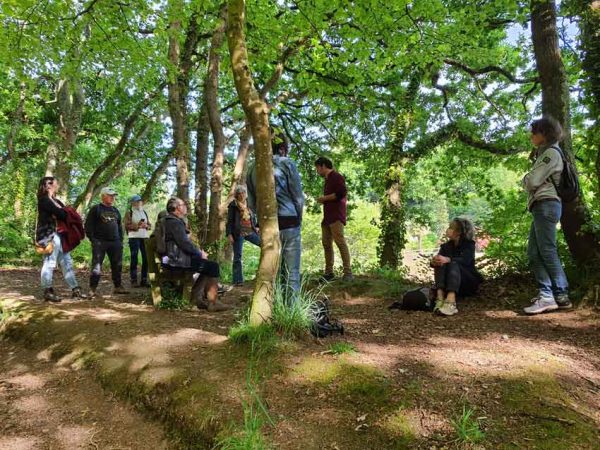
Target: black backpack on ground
(322, 323)
(421, 299)
(568, 186)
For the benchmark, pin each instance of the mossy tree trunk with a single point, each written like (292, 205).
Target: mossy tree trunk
(583, 243)
(257, 114)
(392, 220)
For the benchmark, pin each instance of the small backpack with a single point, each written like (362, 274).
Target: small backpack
(416, 300)
(322, 323)
(568, 186)
(159, 234)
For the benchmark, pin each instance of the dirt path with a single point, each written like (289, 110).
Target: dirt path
(531, 382)
(45, 406)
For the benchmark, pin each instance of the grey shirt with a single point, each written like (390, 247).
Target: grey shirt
(537, 183)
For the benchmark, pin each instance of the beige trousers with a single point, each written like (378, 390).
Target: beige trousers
(335, 233)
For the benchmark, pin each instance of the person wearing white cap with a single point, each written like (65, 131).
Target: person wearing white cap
(103, 228)
(138, 227)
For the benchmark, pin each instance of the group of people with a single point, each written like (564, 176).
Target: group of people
(455, 273)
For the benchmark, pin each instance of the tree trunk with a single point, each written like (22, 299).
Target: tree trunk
(158, 172)
(257, 114)
(393, 227)
(201, 195)
(70, 98)
(17, 120)
(575, 220)
(177, 102)
(211, 87)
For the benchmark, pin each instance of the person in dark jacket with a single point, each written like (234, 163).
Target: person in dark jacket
(103, 228)
(51, 210)
(240, 227)
(183, 254)
(454, 267)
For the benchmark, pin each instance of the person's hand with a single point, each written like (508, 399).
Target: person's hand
(257, 230)
(321, 199)
(230, 237)
(203, 254)
(439, 260)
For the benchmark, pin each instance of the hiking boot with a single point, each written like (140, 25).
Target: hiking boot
(120, 290)
(76, 293)
(348, 277)
(144, 284)
(327, 277)
(50, 296)
(563, 302)
(541, 304)
(134, 284)
(93, 294)
(218, 307)
(447, 309)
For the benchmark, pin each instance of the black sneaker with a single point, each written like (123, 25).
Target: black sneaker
(143, 284)
(327, 277)
(50, 296)
(76, 293)
(563, 302)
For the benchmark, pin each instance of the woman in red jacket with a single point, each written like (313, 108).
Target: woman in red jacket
(51, 209)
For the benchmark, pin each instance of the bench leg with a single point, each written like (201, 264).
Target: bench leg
(187, 292)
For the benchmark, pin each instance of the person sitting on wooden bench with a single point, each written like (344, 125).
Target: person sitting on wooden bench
(183, 254)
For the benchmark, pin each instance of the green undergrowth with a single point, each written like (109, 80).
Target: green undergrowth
(339, 348)
(467, 427)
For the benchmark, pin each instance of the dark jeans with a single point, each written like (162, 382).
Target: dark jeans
(135, 245)
(447, 277)
(114, 249)
(238, 246)
(205, 267)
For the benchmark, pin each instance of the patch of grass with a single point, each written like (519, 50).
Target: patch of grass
(363, 384)
(467, 427)
(401, 428)
(261, 337)
(541, 416)
(339, 348)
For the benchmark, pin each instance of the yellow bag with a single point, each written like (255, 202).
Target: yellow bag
(41, 250)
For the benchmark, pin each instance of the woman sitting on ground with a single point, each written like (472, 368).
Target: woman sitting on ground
(241, 226)
(454, 267)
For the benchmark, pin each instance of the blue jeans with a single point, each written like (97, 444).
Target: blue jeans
(58, 257)
(238, 246)
(135, 245)
(291, 248)
(542, 250)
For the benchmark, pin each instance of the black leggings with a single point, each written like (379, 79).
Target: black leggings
(447, 277)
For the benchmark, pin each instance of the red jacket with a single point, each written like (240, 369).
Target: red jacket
(70, 230)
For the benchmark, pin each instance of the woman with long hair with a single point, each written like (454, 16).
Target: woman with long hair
(454, 267)
(241, 226)
(51, 209)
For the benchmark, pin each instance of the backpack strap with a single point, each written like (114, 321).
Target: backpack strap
(562, 156)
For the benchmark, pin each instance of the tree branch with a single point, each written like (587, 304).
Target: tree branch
(489, 69)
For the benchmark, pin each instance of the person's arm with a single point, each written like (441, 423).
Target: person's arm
(182, 240)
(148, 224)
(119, 224)
(52, 208)
(129, 226)
(295, 187)
(468, 254)
(90, 223)
(548, 163)
(230, 219)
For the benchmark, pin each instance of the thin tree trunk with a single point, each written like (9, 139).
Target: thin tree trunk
(70, 99)
(85, 197)
(201, 195)
(211, 87)
(575, 220)
(158, 172)
(392, 220)
(257, 114)
(17, 120)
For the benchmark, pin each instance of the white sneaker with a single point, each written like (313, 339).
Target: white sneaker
(448, 309)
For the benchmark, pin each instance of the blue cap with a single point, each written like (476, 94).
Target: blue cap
(135, 198)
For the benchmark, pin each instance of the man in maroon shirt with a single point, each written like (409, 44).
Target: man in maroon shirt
(334, 218)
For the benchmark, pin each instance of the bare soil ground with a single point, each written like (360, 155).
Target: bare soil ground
(115, 373)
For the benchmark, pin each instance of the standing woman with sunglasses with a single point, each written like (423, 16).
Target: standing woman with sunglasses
(51, 209)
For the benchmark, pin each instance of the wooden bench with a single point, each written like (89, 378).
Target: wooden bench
(158, 275)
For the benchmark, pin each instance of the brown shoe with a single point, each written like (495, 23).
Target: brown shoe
(50, 296)
(120, 290)
(218, 307)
